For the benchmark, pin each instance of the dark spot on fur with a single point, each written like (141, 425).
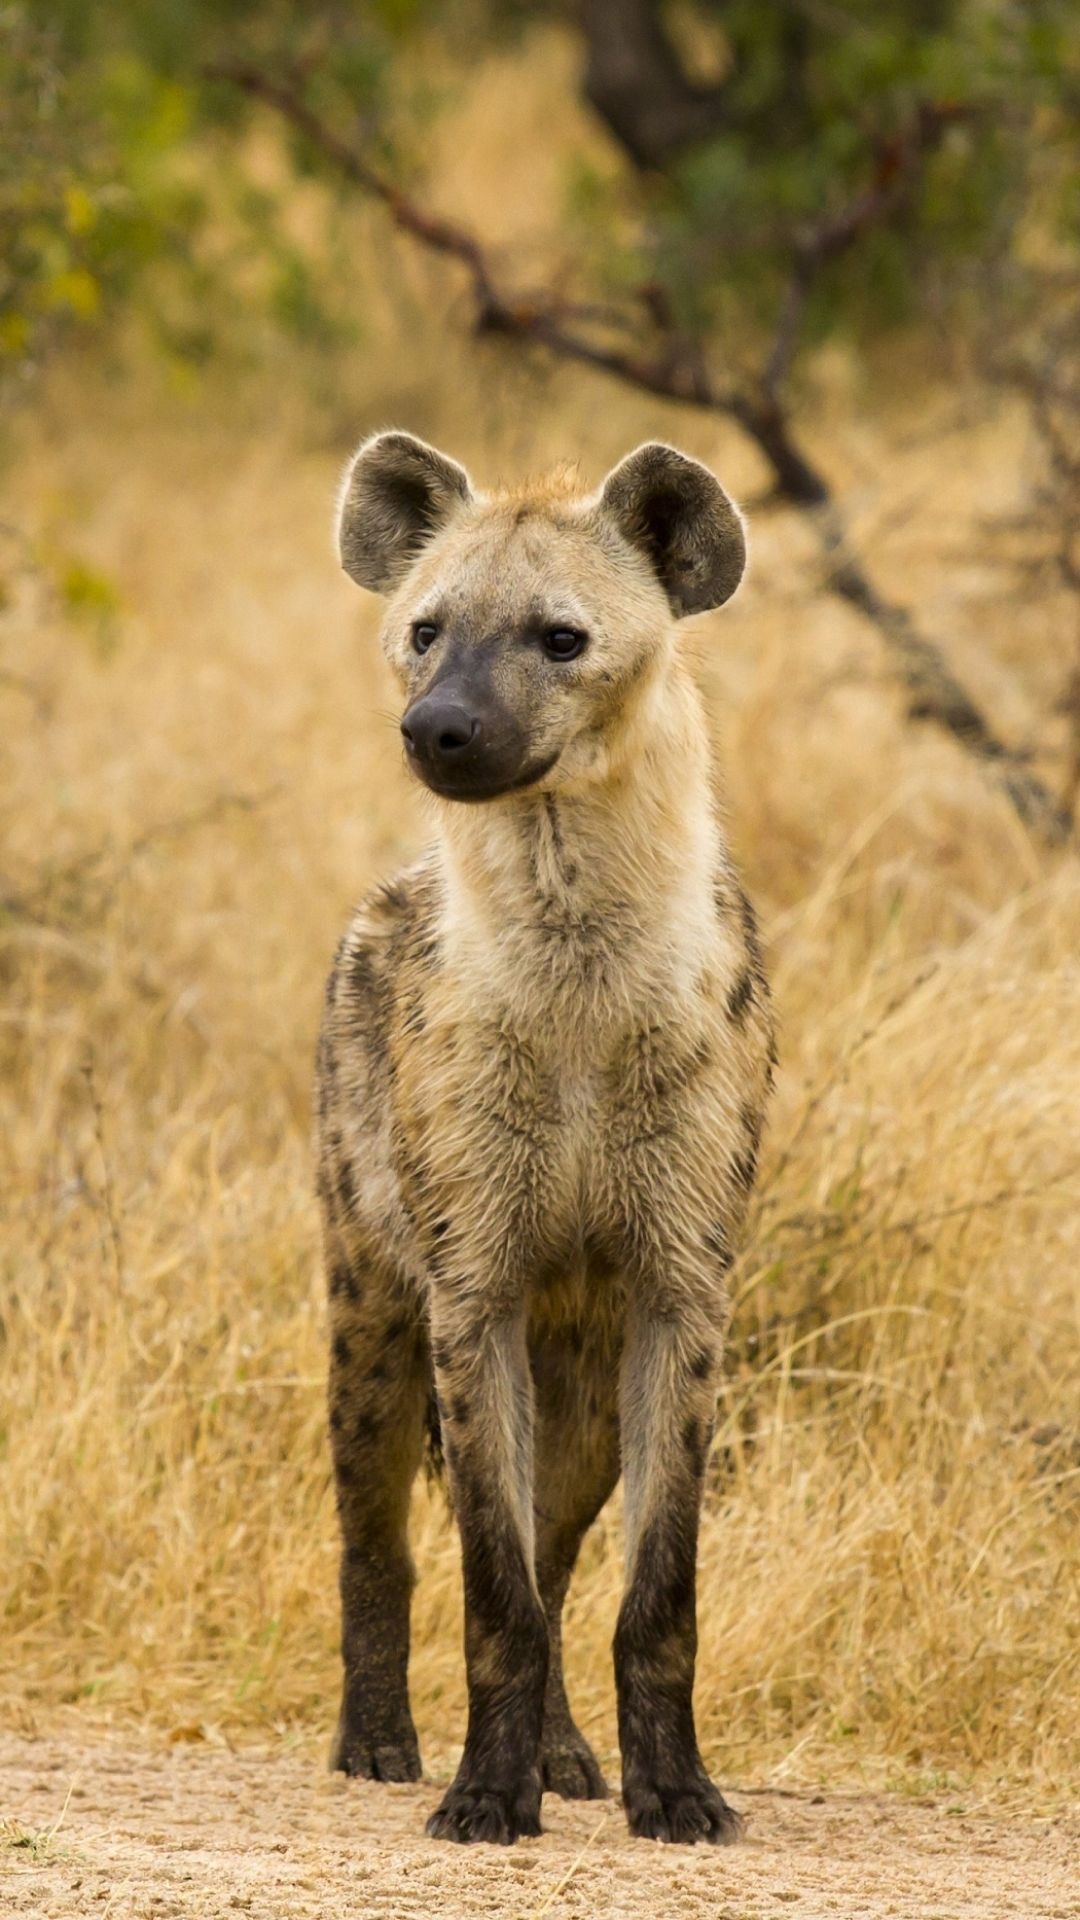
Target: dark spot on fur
(363, 979)
(379, 1371)
(335, 1420)
(341, 1350)
(717, 1243)
(440, 1228)
(366, 1428)
(441, 1354)
(394, 895)
(739, 998)
(568, 868)
(395, 1328)
(346, 1186)
(460, 1410)
(701, 1364)
(744, 1169)
(343, 1283)
(750, 932)
(330, 991)
(413, 1019)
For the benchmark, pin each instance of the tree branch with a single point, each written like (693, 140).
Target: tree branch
(636, 83)
(673, 367)
(898, 164)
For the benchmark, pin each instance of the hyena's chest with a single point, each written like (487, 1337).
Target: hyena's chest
(553, 1138)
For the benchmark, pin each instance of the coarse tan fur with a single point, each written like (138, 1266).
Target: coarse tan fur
(542, 1077)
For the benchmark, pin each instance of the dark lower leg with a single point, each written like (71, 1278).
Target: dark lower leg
(485, 1392)
(378, 1374)
(667, 1424)
(568, 1765)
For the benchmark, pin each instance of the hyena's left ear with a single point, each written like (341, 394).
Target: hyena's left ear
(679, 516)
(396, 494)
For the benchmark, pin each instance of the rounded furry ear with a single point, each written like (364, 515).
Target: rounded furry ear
(678, 515)
(396, 494)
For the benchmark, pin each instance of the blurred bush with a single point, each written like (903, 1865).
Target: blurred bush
(743, 135)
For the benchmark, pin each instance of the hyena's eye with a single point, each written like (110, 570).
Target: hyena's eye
(564, 643)
(423, 633)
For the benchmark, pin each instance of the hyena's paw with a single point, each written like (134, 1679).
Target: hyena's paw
(495, 1814)
(365, 1756)
(685, 1813)
(569, 1766)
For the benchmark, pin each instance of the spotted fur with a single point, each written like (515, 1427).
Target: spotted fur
(544, 1065)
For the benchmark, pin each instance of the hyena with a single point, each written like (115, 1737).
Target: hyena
(542, 1074)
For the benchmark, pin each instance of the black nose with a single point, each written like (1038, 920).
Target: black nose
(438, 731)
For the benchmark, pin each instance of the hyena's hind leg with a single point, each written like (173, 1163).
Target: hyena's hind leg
(577, 1466)
(379, 1384)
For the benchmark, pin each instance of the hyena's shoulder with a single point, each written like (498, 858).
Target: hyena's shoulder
(377, 973)
(374, 988)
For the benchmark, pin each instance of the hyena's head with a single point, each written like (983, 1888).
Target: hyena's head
(526, 630)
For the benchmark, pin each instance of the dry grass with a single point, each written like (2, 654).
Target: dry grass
(196, 786)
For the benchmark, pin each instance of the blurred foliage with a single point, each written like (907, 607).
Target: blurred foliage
(117, 141)
(121, 190)
(90, 598)
(819, 97)
(89, 197)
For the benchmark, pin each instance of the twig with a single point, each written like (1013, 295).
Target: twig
(561, 1885)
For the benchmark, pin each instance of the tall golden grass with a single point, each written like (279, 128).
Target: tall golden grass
(198, 781)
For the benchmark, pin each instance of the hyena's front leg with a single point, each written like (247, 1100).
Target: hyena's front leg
(668, 1398)
(378, 1400)
(485, 1401)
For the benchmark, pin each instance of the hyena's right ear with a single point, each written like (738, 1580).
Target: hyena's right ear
(397, 492)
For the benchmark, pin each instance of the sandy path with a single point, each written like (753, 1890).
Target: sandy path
(157, 1831)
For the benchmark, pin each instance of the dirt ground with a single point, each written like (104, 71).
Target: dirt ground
(148, 1831)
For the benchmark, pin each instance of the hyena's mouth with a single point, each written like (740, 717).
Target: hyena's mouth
(465, 742)
(480, 782)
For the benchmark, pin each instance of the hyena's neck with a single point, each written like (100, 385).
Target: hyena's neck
(604, 891)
